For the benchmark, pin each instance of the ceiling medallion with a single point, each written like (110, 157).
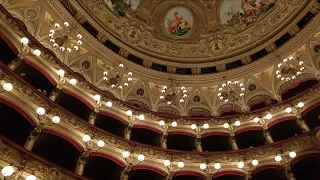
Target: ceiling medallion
(173, 94)
(62, 39)
(231, 91)
(289, 69)
(178, 21)
(118, 77)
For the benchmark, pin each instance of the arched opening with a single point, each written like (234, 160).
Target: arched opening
(274, 173)
(36, 78)
(145, 136)
(306, 167)
(187, 177)
(101, 168)
(74, 105)
(263, 104)
(216, 142)
(229, 177)
(110, 124)
(298, 88)
(179, 141)
(250, 138)
(139, 174)
(284, 129)
(312, 117)
(57, 150)
(229, 113)
(14, 125)
(7, 54)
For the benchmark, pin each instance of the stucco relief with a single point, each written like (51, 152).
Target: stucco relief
(156, 20)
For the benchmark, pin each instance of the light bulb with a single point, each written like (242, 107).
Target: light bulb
(300, 104)
(56, 25)
(226, 125)
(66, 24)
(240, 164)
(24, 41)
(141, 157)
(141, 117)
(86, 138)
(125, 154)
(109, 104)
(79, 36)
(203, 166)
(174, 124)
(269, 116)
(256, 119)
(97, 97)
(237, 123)
(166, 163)
(55, 119)
(37, 52)
(129, 113)
(7, 171)
(255, 162)
(193, 126)
(288, 109)
(60, 72)
(217, 166)
(73, 81)
(31, 177)
(100, 143)
(292, 154)
(161, 123)
(41, 111)
(7, 87)
(206, 126)
(180, 164)
(278, 158)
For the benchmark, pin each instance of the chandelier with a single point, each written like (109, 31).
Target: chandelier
(231, 91)
(173, 94)
(62, 39)
(286, 70)
(118, 77)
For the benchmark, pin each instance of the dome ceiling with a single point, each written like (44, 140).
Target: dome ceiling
(191, 31)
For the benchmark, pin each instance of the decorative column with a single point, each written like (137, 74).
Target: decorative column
(288, 172)
(233, 141)
(248, 176)
(267, 135)
(198, 144)
(127, 132)
(163, 141)
(125, 172)
(82, 163)
(15, 64)
(54, 94)
(34, 135)
(93, 116)
(302, 123)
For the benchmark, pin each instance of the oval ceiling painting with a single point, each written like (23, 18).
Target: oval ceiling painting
(178, 21)
(123, 7)
(236, 15)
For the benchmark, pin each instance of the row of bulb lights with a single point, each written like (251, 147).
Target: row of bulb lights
(203, 166)
(236, 123)
(240, 164)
